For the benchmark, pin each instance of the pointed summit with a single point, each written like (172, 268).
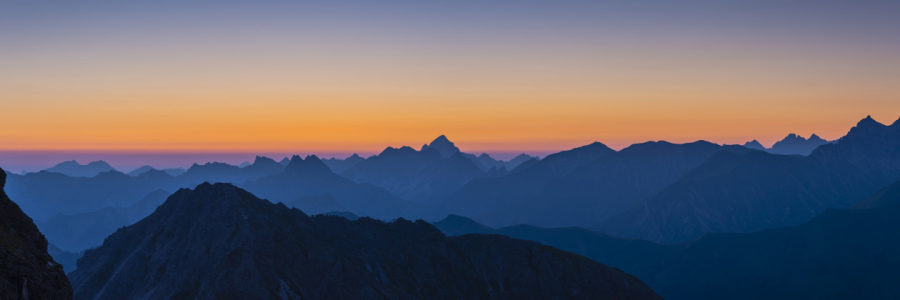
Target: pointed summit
(443, 145)
(868, 121)
(755, 145)
(816, 138)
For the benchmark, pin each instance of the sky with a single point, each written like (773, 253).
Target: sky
(502, 77)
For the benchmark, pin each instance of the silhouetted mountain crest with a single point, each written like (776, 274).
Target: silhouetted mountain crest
(219, 241)
(74, 169)
(262, 160)
(794, 144)
(312, 164)
(140, 171)
(443, 145)
(755, 145)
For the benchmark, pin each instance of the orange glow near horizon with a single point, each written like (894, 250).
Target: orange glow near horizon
(309, 77)
(343, 123)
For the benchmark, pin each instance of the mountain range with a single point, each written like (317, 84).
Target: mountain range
(218, 241)
(74, 169)
(658, 191)
(734, 192)
(792, 144)
(839, 254)
(426, 176)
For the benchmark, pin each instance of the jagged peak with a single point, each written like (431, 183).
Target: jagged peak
(312, 163)
(443, 145)
(815, 137)
(441, 139)
(263, 160)
(793, 137)
(868, 121)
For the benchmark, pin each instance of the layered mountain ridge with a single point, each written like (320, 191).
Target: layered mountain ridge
(220, 241)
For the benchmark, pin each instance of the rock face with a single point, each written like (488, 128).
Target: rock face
(219, 241)
(26, 270)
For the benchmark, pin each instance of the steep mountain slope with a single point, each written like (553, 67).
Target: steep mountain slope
(218, 241)
(26, 269)
(419, 176)
(484, 196)
(741, 193)
(74, 169)
(311, 180)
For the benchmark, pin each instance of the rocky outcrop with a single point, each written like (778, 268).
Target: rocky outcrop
(26, 270)
(219, 241)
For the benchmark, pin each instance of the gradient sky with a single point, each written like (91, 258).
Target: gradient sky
(494, 76)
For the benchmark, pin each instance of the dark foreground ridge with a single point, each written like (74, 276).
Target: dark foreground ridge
(221, 242)
(26, 270)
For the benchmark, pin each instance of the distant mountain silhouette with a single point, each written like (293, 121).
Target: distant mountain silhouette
(262, 166)
(310, 179)
(79, 232)
(46, 194)
(175, 171)
(222, 172)
(600, 187)
(218, 241)
(425, 176)
(747, 192)
(755, 145)
(443, 146)
(341, 165)
(794, 144)
(74, 169)
(139, 171)
(27, 271)
(840, 254)
(484, 196)
(608, 185)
